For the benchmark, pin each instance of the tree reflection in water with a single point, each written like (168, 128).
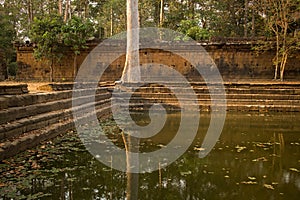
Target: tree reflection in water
(248, 162)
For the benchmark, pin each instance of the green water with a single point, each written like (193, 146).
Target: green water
(256, 157)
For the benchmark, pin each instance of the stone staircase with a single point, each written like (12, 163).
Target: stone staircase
(28, 119)
(260, 97)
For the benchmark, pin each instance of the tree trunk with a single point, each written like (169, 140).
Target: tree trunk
(246, 19)
(285, 24)
(111, 21)
(67, 9)
(283, 64)
(131, 145)
(60, 12)
(162, 13)
(157, 12)
(277, 56)
(253, 23)
(30, 11)
(51, 71)
(132, 186)
(131, 72)
(86, 9)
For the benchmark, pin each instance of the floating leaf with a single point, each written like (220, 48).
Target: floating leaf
(260, 159)
(269, 186)
(199, 149)
(294, 170)
(185, 173)
(249, 182)
(252, 178)
(240, 148)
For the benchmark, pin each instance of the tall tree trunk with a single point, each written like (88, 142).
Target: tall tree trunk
(282, 66)
(284, 25)
(30, 11)
(111, 21)
(161, 13)
(67, 9)
(86, 9)
(131, 72)
(156, 16)
(51, 76)
(277, 56)
(60, 12)
(246, 19)
(253, 23)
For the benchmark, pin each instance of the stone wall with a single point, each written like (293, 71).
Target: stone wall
(31, 69)
(235, 61)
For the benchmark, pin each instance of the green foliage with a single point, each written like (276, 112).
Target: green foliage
(7, 35)
(76, 32)
(12, 68)
(191, 29)
(228, 18)
(47, 35)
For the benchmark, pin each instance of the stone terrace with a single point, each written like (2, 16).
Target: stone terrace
(27, 119)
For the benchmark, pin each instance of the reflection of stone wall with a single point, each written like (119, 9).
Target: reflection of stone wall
(235, 61)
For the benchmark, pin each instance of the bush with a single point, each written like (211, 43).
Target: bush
(191, 29)
(12, 68)
(198, 33)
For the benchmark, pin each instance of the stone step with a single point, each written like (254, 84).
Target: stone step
(174, 100)
(15, 113)
(32, 138)
(205, 90)
(21, 126)
(251, 84)
(229, 107)
(207, 96)
(83, 85)
(9, 101)
(13, 89)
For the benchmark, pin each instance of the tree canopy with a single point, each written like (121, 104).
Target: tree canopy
(198, 19)
(228, 18)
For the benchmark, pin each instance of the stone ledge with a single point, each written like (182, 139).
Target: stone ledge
(13, 89)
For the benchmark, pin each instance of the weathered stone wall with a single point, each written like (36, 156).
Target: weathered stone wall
(31, 69)
(235, 61)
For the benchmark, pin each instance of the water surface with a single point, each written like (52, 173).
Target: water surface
(256, 157)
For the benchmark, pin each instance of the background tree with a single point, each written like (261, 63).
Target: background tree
(75, 34)
(199, 19)
(46, 33)
(7, 35)
(280, 19)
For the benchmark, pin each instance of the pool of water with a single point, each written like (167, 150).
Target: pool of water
(256, 157)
